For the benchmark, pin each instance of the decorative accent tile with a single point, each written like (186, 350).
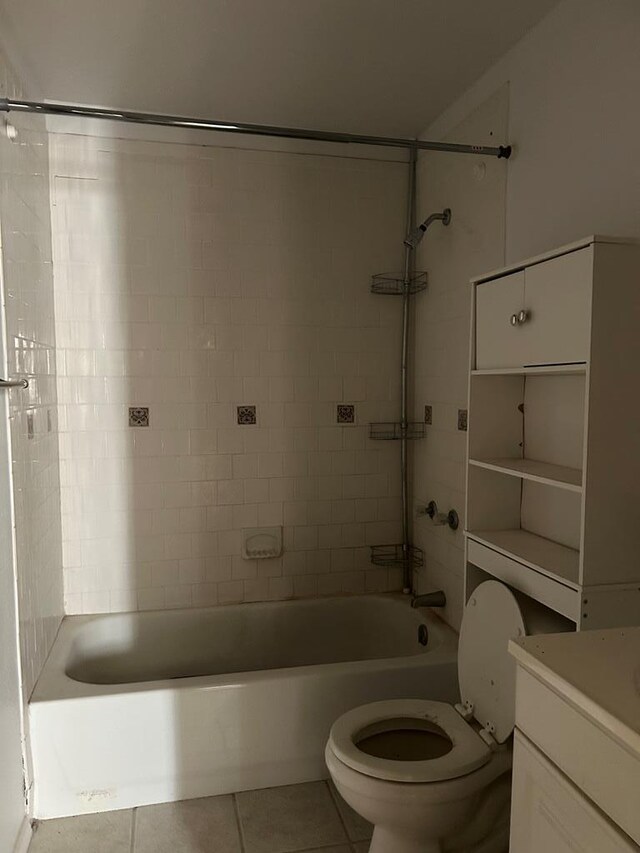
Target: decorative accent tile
(30, 425)
(345, 414)
(462, 420)
(139, 416)
(428, 415)
(246, 415)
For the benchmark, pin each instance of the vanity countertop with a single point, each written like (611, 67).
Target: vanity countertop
(598, 672)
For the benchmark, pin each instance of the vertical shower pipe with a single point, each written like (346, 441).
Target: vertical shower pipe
(407, 566)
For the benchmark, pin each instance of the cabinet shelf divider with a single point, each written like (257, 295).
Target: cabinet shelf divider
(539, 472)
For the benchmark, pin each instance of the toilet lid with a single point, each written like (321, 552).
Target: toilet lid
(486, 670)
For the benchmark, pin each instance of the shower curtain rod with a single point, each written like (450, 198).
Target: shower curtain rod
(159, 119)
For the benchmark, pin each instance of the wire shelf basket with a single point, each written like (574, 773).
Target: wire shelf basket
(395, 555)
(393, 283)
(392, 431)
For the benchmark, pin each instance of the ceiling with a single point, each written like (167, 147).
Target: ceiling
(385, 67)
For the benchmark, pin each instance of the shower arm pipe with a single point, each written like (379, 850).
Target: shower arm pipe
(407, 580)
(8, 105)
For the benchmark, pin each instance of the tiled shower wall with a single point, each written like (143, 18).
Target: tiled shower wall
(191, 281)
(28, 294)
(475, 189)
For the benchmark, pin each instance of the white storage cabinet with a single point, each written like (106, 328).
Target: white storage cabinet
(553, 474)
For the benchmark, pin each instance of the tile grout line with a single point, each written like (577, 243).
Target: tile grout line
(340, 818)
(334, 796)
(236, 810)
(134, 821)
(350, 844)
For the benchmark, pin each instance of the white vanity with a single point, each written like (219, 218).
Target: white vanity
(576, 773)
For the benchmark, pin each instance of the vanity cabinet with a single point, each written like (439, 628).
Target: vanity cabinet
(576, 760)
(548, 813)
(553, 448)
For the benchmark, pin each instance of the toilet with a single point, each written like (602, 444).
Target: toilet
(433, 777)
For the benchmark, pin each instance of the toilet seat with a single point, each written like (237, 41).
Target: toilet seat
(468, 751)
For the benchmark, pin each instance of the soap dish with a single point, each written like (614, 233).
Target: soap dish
(261, 543)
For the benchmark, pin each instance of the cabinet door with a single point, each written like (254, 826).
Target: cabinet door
(498, 342)
(549, 814)
(557, 299)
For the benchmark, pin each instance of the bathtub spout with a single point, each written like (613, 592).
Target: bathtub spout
(430, 599)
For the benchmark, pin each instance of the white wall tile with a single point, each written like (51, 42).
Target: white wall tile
(31, 346)
(193, 280)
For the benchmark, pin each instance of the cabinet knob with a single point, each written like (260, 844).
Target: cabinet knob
(519, 318)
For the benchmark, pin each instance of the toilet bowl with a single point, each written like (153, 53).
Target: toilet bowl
(415, 802)
(433, 777)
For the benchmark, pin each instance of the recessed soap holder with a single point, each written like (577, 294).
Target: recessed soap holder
(261, 543)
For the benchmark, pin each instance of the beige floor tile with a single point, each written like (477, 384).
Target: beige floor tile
(288, 819)
(192, 826)
(341, 848)
(361, 847)
(109, 832)
(358, 829)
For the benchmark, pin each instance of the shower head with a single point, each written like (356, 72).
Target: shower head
(413, 238)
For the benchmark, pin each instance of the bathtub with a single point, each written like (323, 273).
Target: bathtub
(139, 708)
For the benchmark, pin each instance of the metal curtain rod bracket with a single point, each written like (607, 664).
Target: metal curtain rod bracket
(159, 119)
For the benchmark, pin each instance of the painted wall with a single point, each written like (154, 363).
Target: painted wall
(193, 280)
(474, 188)
(565, 96)
(574, 89)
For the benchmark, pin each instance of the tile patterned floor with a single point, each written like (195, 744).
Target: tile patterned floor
(310, 817)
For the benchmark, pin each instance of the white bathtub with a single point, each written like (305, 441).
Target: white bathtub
(141, 708)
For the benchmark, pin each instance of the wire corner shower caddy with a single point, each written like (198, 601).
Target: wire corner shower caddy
(395, 284)
(396, 430)
(392, 556)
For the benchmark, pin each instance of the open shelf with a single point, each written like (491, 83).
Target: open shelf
(534, 370)
(394, 555)
(539, 472)
(393, 283)
(543, 555)
(392, 431)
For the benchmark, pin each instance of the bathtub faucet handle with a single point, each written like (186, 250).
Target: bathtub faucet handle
(450, 518)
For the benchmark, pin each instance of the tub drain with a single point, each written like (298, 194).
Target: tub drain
(423, 634)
